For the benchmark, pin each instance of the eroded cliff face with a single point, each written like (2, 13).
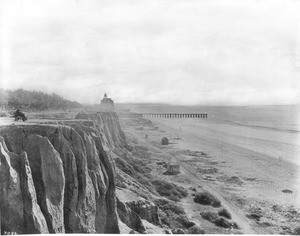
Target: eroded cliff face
(60, 178)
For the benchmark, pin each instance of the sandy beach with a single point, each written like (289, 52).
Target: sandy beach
(252, 170)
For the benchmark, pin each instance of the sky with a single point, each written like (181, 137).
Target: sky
(187, 52)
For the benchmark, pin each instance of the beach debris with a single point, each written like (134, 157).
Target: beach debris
(287, 191)
(206, 198)
(164, 141)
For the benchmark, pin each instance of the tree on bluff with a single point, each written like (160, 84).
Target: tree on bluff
(33, 100)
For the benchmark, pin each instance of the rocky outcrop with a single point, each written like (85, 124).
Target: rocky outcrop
(60, 178)
(146, 210)
(130, 218)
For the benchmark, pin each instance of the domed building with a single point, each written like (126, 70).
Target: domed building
(107, 103)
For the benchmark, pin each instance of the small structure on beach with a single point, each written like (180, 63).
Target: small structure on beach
(165, 141)
(173, 168)
(107, 103)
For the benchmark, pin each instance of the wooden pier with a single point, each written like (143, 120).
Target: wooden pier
(175, 115)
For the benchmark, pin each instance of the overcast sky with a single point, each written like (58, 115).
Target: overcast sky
(232, 52)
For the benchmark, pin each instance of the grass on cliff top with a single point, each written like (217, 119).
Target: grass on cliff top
(169, 190)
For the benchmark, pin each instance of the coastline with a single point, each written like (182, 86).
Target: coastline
(239, 167)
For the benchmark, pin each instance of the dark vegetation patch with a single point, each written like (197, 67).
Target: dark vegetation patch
(225, 213)
(169, 206)
(254, 216)
(217, 220)
(287, 191)
(172, 215)
(265, 224)
(161, 163)
(206, 198)
(195, 230)
(196, 153)
(234, 180)
(209, 216)
(208, 170)
(182, 219)
(169, 190)
(296, 231)
(255, 213)
(230, 180)
(222, 222)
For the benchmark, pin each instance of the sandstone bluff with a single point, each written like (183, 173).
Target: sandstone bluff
(59, 177)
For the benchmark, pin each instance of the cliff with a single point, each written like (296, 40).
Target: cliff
(59, 177)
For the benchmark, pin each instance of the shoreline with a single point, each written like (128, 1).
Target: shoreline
(247, 179)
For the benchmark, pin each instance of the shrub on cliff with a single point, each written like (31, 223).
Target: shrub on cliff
(182, 219)
(206, 198)
(195, 230)
(225, 213)
(167, 205)
(210, 216)
(222, 222)
(296, 231)
(169, 190)
(172, 215)
(217, 220)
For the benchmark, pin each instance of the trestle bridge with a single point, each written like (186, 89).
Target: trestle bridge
(175, 115)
